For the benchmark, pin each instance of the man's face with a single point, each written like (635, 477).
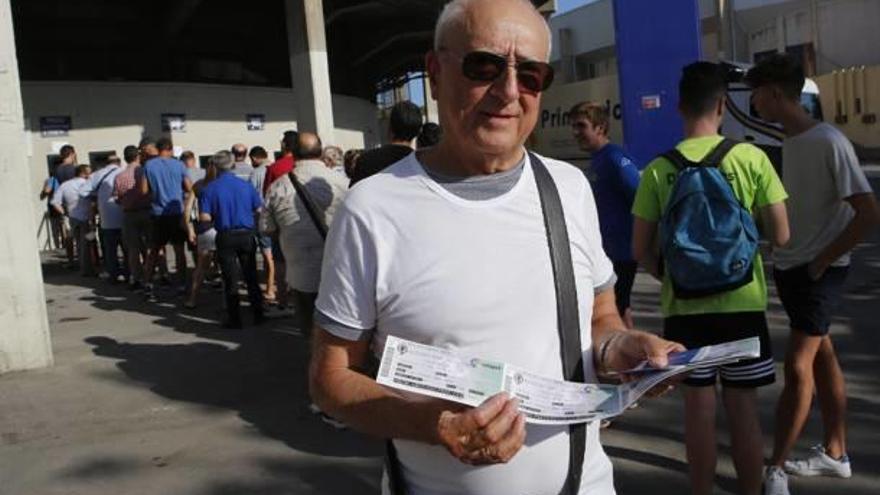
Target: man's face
(765, 99)
(494, 117)
(588, 136)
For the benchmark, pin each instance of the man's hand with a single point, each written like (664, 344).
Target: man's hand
(816, 269)
(489, 434)
(631, 347)
(627, 349)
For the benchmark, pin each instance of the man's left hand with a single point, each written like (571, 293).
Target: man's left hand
(630, 348)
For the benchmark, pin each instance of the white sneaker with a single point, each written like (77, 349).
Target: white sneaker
(775, 481)
(818, 463)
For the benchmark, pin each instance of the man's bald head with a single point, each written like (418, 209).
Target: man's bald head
(239, 151)
(308, 146)
(463, 16)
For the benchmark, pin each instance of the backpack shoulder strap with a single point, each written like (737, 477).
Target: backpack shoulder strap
(714, 158)
(677, 159)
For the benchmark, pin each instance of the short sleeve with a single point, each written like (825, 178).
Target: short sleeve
(770, 189)
(646, 204)
(849, 178)
(628, 176)
(347, 293)
(205, 202)
(603, 269)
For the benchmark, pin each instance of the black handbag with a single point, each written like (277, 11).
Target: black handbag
(568, 324)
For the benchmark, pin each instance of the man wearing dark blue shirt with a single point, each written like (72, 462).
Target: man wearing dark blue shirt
(230, 204)
(615, 179)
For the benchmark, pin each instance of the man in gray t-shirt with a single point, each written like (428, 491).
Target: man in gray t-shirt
(831, 207)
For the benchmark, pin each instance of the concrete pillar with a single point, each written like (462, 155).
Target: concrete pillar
(24, 328)
(431, 113)
(309, 70)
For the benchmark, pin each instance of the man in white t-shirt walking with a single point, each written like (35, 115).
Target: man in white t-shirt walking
(831, 208)
(448, 247)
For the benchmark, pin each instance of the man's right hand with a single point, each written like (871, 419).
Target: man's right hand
(489, 434)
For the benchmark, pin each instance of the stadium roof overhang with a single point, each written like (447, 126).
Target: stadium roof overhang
(371, 43)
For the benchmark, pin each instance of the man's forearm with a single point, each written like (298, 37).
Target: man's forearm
(371, 408)
(854, 232)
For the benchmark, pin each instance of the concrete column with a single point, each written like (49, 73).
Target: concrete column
(309, 70)
(431, 113)
(24, 328)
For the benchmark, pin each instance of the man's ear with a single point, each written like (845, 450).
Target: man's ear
(719, 107)
(432, 64)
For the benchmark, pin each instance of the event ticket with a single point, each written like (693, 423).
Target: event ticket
(470, 380)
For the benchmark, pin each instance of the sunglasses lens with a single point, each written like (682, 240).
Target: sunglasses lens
(534, 76)
(483, 66)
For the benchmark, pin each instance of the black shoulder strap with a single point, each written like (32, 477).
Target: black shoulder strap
(309, 203)
(713, 159)
(568, 322)
(678, 159)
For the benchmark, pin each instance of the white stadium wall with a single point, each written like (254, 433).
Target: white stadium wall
(107, 116)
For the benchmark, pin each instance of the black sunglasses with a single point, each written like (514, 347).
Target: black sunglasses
(531, 75)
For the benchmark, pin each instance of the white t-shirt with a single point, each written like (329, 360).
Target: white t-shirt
(408, 258)
(819, 169)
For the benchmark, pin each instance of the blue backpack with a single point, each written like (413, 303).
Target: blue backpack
(707, 238)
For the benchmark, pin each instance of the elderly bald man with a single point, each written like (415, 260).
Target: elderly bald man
(240, 166)
(448, 247)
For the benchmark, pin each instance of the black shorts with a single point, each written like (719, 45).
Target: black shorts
(626, 275)
(810, 303)
(716, 328)
(168, 229)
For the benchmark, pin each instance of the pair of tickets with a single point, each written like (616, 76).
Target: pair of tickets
(440, 373)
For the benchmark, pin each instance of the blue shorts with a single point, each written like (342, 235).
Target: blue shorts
(810, 303)
(264, 241)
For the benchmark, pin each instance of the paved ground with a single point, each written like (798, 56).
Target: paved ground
(149, 399)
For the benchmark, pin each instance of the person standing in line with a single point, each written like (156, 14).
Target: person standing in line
(283, 165)
(281, 168)
(260, 160)
(136, 226)
(615, 179)
(195, 174)
(201, 235)
(301, 239)
(166, 180)
(241, 167)
(56, 221)
(404, 125)
(99, 189)
(67, 201)
(333, 158)
(722, 314)
(230, 204)
(832, 208)
(66, 169)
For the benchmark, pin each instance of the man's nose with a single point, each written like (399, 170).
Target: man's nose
(506, 86)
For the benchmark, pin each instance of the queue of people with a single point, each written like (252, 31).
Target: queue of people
(441, 237)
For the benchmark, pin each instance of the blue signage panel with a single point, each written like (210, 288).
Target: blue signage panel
(655, 39)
